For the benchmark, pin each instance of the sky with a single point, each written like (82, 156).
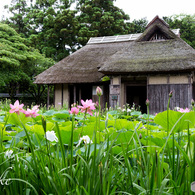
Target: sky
(148, 9)
(138, 9)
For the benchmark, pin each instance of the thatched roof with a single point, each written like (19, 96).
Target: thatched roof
(146, 57)
(81, 66)
(123, 54)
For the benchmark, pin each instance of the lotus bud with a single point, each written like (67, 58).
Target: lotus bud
(192, 102)
(171, 94)
(147, 102)
(140, 136)
(98, 91)
(96, 105)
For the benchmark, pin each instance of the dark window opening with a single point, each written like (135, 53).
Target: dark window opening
(193, 91)
(157, 36)
(138, 96)
(71, 95)
(82, 92)
(86, 91)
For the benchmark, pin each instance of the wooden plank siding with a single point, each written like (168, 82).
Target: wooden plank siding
(158, 96)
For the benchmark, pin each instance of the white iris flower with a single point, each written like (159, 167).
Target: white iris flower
(8, 153)
(85, 139)
(51, 136)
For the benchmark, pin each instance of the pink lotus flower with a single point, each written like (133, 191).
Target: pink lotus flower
(17, 108)
(74, 110)
(87, 107)
(35, 108)
(32, 113)
(183, 110)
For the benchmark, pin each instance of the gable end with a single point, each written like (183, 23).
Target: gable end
(157, 30)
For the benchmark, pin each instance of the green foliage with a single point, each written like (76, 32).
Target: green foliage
(178, 121)
(18, 11)
(49, 26)
(100, 18)
(139, 26)
(186, 24)
(58, 36)
(105, 78)
(19, 63)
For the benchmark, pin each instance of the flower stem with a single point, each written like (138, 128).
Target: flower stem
(170, 95)
(71, 146)
(83, 123)
(147, 122)
(1, 140)
(99, 117)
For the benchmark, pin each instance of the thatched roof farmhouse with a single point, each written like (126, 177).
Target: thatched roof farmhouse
(140, 66)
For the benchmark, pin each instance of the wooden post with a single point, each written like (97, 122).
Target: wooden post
(147, 91)
(47, 97)
(190, 96)
(54, 99)
(80, 94)
(62, 100)
(75, 91)
(119, 97)
(148, 76)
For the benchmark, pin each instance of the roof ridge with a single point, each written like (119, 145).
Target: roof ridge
(121, 38)
(157, 18)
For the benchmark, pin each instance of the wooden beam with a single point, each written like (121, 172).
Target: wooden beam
(54, 96)
(190, 90)
(74, 96)
(147, 91)
(80, 94)
(62, 100)
(47, 97)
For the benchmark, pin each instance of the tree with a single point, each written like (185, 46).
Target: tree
(186, 24)
(57, 37)
(49, 25)
(19, 20)
(18, 62)
(56, 30)
(100, 18)
(138, 26)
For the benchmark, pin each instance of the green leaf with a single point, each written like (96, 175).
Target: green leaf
(2, 112)
(184, 119)
(136, 113)
(49, 113)
(62, 115)
(162, 186)
(2, 118)
(56, 119)
(21, 134)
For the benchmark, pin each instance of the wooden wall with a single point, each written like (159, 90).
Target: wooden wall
(115, 92)
(158, 96)
(159, 87)
(61, 95)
